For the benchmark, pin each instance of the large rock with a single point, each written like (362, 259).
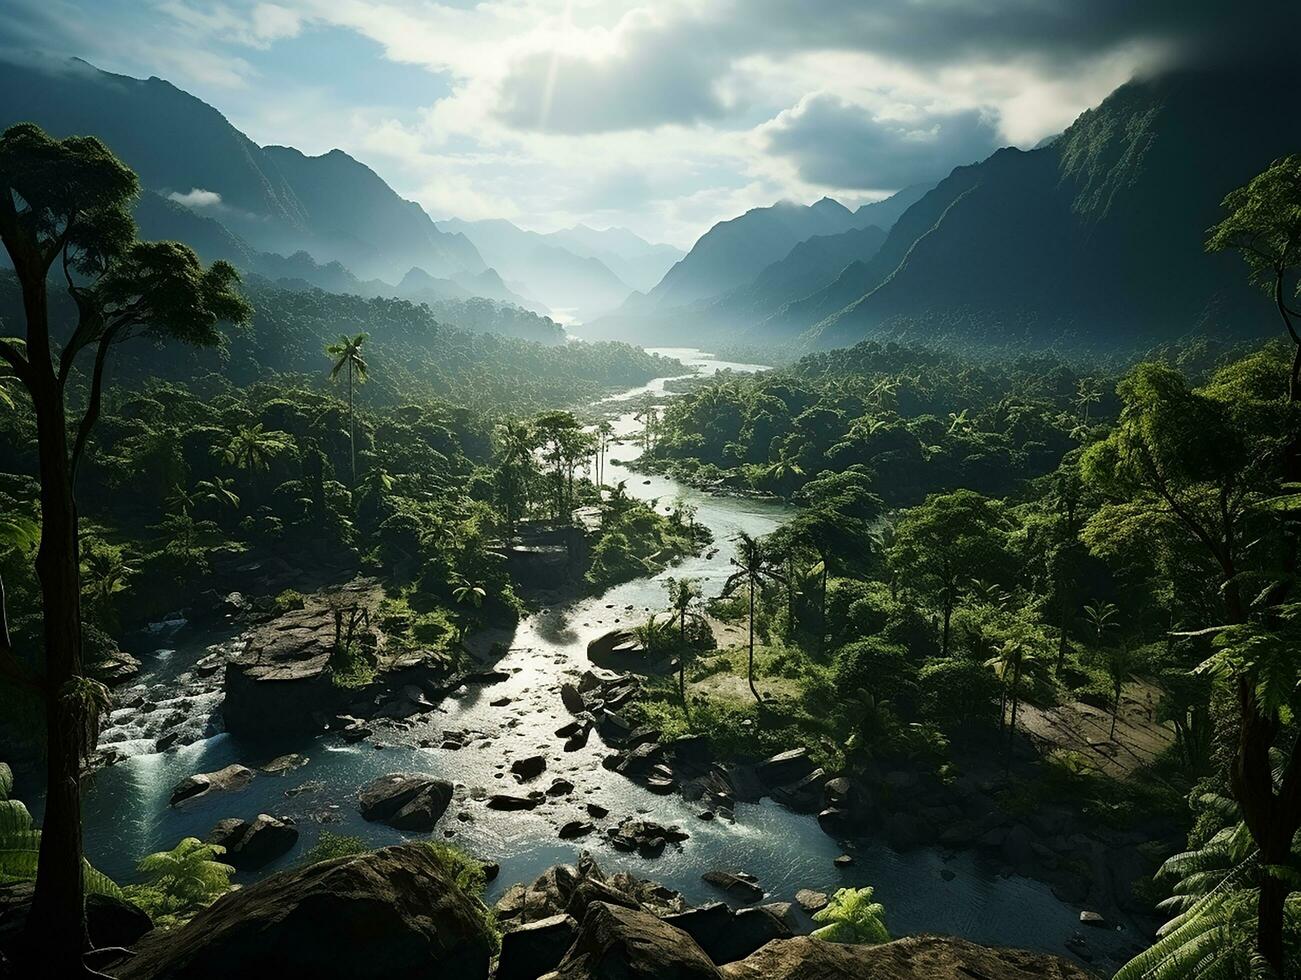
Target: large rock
(406, 801)
(617, 943)
(915, 958)
(533, 948)
(110, 921)
(253, 844)
(230, 778)
(738, 884)
(392, 913)
(725, 935)
(784, 768)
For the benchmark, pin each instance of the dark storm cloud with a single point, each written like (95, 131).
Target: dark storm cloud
(835, 143)
(669, 70)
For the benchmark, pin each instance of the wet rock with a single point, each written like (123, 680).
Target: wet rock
(804, 795)
(576, 828)
(232, 777)
(843, 861)
(1098, 921)
(253, 844)
(572, 699)
(811, 901)
(738, 884)
(529, 768)
(284, 763)
(534, 948)
(508, 801)
(597, 812)
(405, 801)
(784, 768)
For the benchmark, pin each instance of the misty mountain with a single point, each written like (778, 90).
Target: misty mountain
(1094, 239)
(472, 302)
(274, 198)
(579, 284)
(639, 263)
(809, 267)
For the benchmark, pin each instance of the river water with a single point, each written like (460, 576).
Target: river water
(127, 813)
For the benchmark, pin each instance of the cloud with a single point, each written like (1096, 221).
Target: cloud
(196, 198)
(839, 144)
(657, 73)
(662, 115)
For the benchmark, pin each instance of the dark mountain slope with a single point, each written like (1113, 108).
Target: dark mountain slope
(1094, 241)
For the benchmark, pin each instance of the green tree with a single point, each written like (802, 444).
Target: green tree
(69, 201)
(945, 542)
(1208, 461)
(1012, 665)
(346, 354)
(1264, 224)
(756, 571)
(252, 447)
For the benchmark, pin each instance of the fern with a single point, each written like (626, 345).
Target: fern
(1213, 900)
(852, 917)
(20, 844)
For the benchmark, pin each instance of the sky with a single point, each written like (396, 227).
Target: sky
(663, 116)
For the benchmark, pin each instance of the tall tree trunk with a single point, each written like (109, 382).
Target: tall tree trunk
(56, 929)
(352, 429)
(750, 664)
(822, 614)
(948, 618)
(1061, 639)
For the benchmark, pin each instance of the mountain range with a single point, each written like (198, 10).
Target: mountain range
(325, 221)
(1091, 240)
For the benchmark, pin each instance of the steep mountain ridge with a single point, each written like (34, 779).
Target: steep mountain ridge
(1094, 240)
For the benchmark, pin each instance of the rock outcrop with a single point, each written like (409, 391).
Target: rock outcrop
(616, 943)
(915, 958)
(396, 912)
(405, 801)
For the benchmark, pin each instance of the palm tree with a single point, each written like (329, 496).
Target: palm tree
(219, 491)
(604, 436)
(684, 593)
(756, 570)
(251, 447)
(1012, 663)
(347, 356)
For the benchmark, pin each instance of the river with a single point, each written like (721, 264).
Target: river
(126, 811)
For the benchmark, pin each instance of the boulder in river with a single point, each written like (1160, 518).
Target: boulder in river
(572, 699)
(232, 777)
(396, 912)
(785, 768)
(529, 768)
(253, 844)
(738, 884)
(406, 801)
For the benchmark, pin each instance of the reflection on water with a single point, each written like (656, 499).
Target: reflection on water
(126, 811)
